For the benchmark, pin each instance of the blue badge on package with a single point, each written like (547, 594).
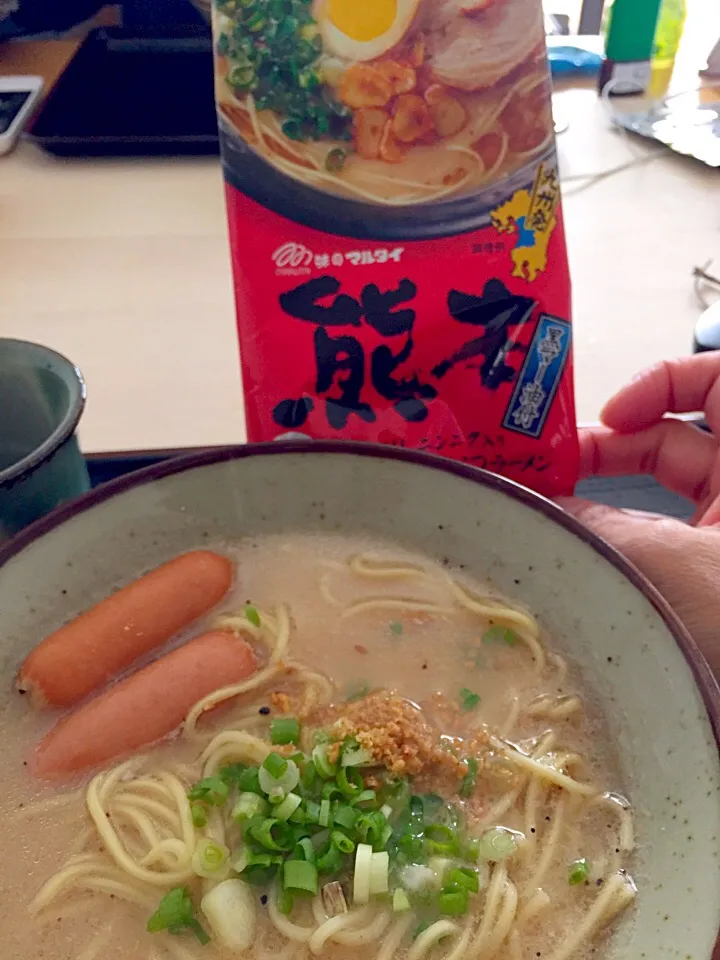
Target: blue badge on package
(539, 377)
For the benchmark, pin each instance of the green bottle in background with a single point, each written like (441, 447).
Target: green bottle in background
(626, 68)
(667, 41)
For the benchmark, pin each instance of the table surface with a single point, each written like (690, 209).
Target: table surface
(124, 266)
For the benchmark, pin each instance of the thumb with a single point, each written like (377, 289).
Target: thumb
(681, 561)
(647, 539)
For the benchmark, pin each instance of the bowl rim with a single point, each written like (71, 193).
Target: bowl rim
(705, 680)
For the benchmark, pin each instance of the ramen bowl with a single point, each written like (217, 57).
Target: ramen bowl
(659, 703)
(334, 213)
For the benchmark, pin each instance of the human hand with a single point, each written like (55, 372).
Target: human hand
(682, 560)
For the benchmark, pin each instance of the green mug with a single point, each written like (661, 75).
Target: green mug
(42, 395)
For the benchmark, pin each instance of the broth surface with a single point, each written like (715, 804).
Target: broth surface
(433, 659)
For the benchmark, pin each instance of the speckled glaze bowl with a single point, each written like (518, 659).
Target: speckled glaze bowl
(661, 701)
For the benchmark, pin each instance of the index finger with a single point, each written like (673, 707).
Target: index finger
(677, 454)
(684, 385)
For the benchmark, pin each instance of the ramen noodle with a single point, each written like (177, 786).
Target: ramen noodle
(410, 771)
(396, 229)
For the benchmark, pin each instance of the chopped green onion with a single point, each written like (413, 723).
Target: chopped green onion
(284, 730)
(307, 848)
(579, 872)
(272, 834)
(307, 775)
(249, 805)
(249, 780)
(465, 878)
(331, 791)
(260, 868)
(371, 828)
(400, 902)
(324, 815)
(453, 903)
(252, 615)
(342, 841)
(278, 784)
(335, 160)
(468, 699)
(330, 860)
(212, 790)
(497, 844)
(247, 825)
(361, 874)
(175, 913)
(289, 805)
(232, 772)
(312, 811)
(396, 627)
(242, 76)
(441, 839)
(285, 901)
(411, 848)
(320, 838)
(210, 859)
(500, 634)
(368, 799)
(350, 781)
(198, 812)
(275, 765)
(379, 872)
(387, 832)
(345, 816)
(468, 781)
(300, 876)
(355, 756)
(323, 766)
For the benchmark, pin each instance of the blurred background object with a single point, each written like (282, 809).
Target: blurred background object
(668, 35)
(629, 38)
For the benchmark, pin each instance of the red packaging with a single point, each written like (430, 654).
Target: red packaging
(396, 229)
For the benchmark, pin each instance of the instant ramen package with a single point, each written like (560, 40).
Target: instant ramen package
(396, 231)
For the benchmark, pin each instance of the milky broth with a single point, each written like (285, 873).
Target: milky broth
(428, 658)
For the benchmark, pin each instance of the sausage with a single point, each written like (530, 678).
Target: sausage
(80, 658)
(144, 707)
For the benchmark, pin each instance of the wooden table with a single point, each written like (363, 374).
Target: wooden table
(124, 266)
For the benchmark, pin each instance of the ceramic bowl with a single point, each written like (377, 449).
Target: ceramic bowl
(660, 699)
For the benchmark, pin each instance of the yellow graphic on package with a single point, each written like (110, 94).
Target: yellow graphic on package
(532, 218)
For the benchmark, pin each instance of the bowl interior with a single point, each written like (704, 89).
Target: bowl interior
(594, 613)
